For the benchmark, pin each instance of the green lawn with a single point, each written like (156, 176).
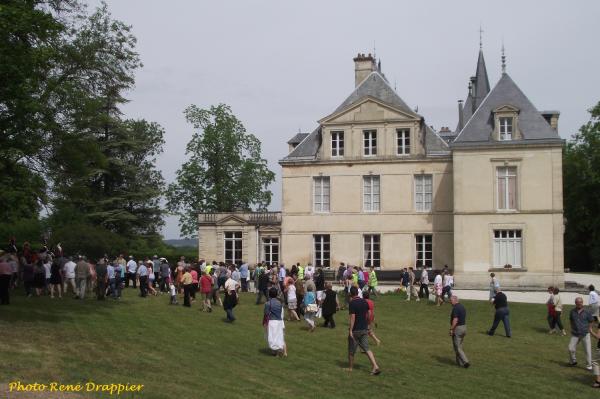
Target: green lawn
(179, 352)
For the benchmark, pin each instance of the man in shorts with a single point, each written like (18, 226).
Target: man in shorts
(359, 330)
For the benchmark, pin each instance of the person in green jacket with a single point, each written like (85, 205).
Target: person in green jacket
(300, 272)
(372, 281)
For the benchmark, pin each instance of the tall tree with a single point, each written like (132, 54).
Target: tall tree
(225, 170)
(104, 165)
(31, 59)
(581, 165)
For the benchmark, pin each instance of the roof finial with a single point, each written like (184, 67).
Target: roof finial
(374, 52)
(395, 85)
(480, 37)
(503, 59)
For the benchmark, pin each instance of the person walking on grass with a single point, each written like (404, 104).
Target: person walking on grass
(372, 323)
(131, 272)
(358, 334)
(310, 305)
(437, 288)
(56, 280)
(5, 278)
(494, 283)
(231, 299)
(594, 302)
(186, 282)
(330, 306)
(292, 301)
(216, 298)
(558, 305)
(274, 324)
(412, 279)
(502, 313)
(551, 310)
(581, 326)
(142, 272)
(373, 282)
(458, 330)
(82, 272)
(101, 278)
(424, 283)
(205, 291)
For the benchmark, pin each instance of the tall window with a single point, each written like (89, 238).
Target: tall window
(233, 246)
(424, 250)
(371, 193)
(403, 141)
(337, 144)
(423, 192)
(507, 248)
(321, 247)
(270, 249)
(369, 142)
(507, 187)
(372, 252)
(506, 128)
(321, 194)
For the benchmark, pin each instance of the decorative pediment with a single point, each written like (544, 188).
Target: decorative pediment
(368, 110)
(270, 230)
(231, 220)
(506, 108)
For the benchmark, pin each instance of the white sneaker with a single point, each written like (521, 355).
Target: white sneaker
(589, 368)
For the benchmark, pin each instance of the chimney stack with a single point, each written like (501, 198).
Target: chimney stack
(363, 66)
(460, 115)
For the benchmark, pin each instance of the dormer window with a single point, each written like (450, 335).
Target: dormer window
(506, 128)
(506, 123)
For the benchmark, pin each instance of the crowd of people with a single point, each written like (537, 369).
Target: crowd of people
(300, 292)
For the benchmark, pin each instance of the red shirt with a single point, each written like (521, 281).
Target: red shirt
(205, 284)
(371, 310)
(194, 276)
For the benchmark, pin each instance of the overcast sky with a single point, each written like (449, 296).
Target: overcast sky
(282, 65)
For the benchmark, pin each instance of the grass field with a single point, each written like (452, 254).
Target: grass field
(179, 352)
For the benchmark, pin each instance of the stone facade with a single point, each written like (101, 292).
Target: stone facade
(374, 185)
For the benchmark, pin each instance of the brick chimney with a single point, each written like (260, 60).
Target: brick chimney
(363, 66)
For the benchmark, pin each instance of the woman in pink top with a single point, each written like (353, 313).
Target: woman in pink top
(194, 289)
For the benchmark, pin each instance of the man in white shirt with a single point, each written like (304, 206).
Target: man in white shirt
(142, 272)
(594, 302)
(69, 276)
(131, 272)
(309, 271)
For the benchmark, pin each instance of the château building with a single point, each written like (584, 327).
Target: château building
(373, 184)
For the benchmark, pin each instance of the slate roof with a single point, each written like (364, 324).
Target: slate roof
(307, 148)
(532, 125)
(375, 85)
(297, 139)
(481, 88)
(434, 143)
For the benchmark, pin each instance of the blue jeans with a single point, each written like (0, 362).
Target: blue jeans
(230, 316)
(501, 314)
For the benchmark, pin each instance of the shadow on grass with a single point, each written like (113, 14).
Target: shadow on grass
(444, 360)
(267, 352)
(540, 329)
(44, 309)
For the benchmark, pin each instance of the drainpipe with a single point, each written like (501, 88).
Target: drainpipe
(257, 245)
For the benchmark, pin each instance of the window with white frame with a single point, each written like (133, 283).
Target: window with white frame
(507, 187)
(508, 248)
(321, 194)
(403, 141)
(233, 246)
(321, 250)
(369, 142)
(423, 192)
(270, 250)
(506, 128)
(424, 250)
(371, 193)
(337, 144)
(372, 251)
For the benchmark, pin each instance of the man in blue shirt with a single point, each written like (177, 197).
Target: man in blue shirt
(244, 276)
(142, 272)
(581, 326)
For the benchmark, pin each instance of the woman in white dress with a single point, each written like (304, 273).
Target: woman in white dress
(274, 324)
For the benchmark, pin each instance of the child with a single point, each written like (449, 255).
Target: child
(371, 317)
(330, 306)
(173, 292)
